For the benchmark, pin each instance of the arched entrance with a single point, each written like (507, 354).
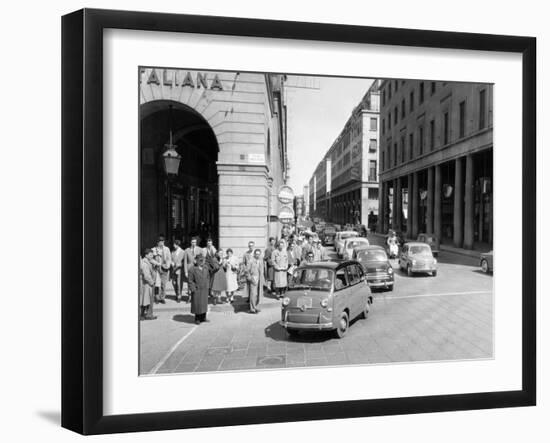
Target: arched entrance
(185, 205)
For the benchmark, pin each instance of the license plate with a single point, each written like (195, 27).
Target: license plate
(305, 302)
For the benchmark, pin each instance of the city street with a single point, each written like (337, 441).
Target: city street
(424, 319)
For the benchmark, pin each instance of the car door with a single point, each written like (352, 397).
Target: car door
(354, 279)
(341, 292)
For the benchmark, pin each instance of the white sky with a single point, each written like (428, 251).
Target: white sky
(315, 117)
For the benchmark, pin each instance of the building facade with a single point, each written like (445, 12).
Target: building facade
(436, 160)
(346, 179)
(229, 129)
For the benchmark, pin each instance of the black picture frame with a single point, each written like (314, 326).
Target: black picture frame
(82, 218)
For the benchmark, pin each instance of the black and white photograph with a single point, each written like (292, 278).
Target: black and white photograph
(290, 221)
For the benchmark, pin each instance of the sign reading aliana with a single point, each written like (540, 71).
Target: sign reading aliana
(172, 77)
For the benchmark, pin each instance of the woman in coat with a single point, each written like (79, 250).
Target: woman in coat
(280, 266)
(231, 271)
(219, 283)
(269, 270)
(199, 282)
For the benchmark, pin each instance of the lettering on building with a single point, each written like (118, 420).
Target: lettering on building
(174, 78)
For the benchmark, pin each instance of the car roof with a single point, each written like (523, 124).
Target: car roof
(370, 248)
(329, 264)
(347, 232)
(415, 243)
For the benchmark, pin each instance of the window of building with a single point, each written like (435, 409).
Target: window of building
(482, 108)
(411, 104)
(462, 119)
(373, 123)
(432, 135)
(411, 146)
(373, 145)
(395, 115)
(402, 149)
(389, 90)
(445, 128)
(421, 140)
(421, 93)
(372, 170)
(403, 108)
(395, 154)
(396, 86)
(373, 193)
(383, 126)
(433, 88)
(384, 97)
(389, 120)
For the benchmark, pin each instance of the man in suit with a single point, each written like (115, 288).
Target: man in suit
(189, 261)
(255, 281)
(164, 257)
(177, 269)
(199, 277)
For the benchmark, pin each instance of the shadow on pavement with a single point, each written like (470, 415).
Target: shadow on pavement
(276, 332)
(479, 271)
(184, 318)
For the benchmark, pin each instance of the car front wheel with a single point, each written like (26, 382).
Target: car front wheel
(485, 266)
(343, 325)
(409, 271)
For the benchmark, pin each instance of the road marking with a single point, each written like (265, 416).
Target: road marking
(436, 295)
(171, 351)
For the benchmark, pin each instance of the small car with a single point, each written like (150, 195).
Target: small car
(430, 239)
(350, 244)
(325, 296)
(339, 240)
(361, 230)
(417, 257)
(376, 265)
(486, 262)
(328, 235)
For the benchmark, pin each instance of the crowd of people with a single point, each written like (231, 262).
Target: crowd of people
(199, 274)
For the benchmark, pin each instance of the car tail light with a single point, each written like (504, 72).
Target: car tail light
(390, 270)
(286, 301)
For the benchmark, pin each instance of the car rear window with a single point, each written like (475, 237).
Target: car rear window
(348, 235)
(375, 255)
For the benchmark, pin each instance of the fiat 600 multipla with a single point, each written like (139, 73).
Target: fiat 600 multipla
(417, 257)
(325, 296)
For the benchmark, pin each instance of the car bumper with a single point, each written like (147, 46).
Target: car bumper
(379, 283)
(307, 326)
(423, 268)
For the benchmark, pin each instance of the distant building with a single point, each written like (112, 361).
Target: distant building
(436, 159)
(346, 179)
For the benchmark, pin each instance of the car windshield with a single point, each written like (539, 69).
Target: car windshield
(311, 278)
(374, 255)
(352, 244)
(420, 250)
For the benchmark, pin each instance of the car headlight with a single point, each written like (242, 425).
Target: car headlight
(414, 262)
(286, 301)
(324, 302)
(435, 261)
(390, 270)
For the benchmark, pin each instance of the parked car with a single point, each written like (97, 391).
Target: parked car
(486, 262)
(325, 296)
(339, 240)
(328, 235)
(430, 239)
(350, 244)
(417, 257)
(376, 265)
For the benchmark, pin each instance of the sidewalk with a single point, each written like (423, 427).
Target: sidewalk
(460, 251)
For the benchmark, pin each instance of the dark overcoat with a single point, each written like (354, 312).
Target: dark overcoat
(199, 279)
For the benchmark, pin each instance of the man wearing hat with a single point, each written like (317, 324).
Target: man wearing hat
(199, 280)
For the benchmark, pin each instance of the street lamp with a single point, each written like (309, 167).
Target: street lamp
(171, 157)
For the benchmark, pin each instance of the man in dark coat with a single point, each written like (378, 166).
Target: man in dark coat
(199, 278)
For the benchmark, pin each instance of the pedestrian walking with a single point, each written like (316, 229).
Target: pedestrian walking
(231, 271)
(269, 272)
(255, 281)
(199, 278)
(319, 251)
(280, 264)
(209, 253)
(177, 269)
(219, 284)
(249, 253)
(188, 262)
(147, 276)
(164, 258)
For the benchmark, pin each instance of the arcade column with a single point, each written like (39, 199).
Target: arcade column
(458, 219)
(469, 204)
(437, 202)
